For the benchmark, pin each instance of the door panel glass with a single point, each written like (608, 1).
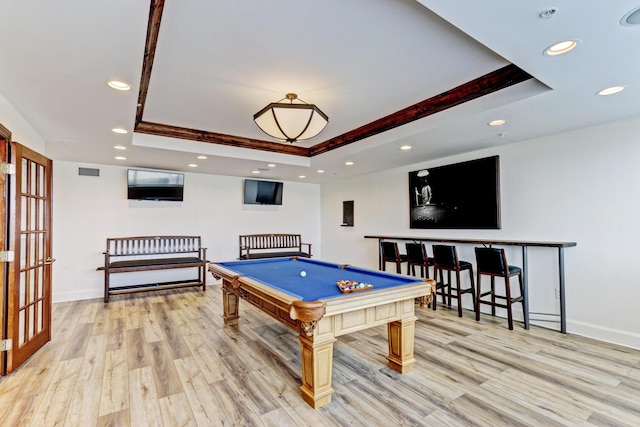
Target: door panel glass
(32, 277)
(23, 210)
(23, 256)
(32, 213)
(40, 316)
(22, 301)
(25, 174)
(40, 291)
(31, 317)
(33, 168)
(21, 326)
(41, 217)
(33, 247)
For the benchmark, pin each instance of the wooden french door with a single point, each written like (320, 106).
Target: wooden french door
(5, 140)
(29, 275)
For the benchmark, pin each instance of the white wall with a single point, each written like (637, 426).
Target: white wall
(21, 130)
(87, 210)
(580, 186)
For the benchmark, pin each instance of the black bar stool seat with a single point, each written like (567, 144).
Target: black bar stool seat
(446, 259)
(493, 262)
(417, 257)
(390, 253)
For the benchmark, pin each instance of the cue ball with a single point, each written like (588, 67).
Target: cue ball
(303, 273)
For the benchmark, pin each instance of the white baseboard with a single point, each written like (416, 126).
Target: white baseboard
(77, 295)
(601, 333)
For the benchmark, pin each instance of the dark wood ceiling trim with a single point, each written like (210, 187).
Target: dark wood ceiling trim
(153, 29)
(489, 83)
(492, 82)
(219, 138)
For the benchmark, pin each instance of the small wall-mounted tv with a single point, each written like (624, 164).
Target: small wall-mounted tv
(461, 195)
(262, 192)
(155, 185)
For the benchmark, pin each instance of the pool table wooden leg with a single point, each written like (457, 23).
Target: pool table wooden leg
(317, 360)
(401, 336)
(230, 302)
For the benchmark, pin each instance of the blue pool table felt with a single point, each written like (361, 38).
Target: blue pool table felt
(321, 277)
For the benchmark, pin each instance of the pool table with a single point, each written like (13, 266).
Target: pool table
(303, 294)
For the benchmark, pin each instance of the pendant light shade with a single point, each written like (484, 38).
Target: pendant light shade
(289, 121)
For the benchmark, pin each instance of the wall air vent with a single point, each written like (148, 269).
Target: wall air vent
(88, 172)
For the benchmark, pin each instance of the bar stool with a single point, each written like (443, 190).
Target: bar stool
(493, 262)
(390, 253)
(417, 257)
(445, 258)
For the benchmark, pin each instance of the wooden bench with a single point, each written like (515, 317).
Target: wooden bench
(147, 253)
(270, 246)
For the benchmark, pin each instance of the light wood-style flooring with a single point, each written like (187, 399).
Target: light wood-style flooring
(166, 359)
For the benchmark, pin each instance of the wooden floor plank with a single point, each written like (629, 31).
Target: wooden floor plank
(137, 350)
(176, 411)
(56, 401)
(165, 376)
(166, 358)
(114, 396)
(145, 407)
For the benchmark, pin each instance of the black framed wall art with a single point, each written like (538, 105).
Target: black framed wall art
(461, 195)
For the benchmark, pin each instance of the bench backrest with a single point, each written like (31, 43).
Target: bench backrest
(152, 245)
(270, 241)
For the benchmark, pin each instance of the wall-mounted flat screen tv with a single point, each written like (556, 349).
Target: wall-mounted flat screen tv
(262, 192)
(461, 195)
(155, 185)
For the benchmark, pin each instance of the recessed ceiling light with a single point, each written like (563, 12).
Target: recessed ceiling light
(192, 165)
(202, 157)
(320, 170)
(498, 122)
(118, 130)
(118, 85)
(548, 13)
(610, 90)
(120, 158)
(256, 171)
(631, 18)
(271, 165)
(560, 48)
(119, 147)
(301, 176)
(405, 147)
(349, 163)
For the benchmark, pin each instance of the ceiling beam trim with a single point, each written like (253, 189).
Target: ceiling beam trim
(153, 29)
(219, 138)
(484, 85)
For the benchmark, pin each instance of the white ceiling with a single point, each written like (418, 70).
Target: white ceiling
(218, 62)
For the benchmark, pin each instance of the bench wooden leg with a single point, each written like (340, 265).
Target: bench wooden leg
(106, 285)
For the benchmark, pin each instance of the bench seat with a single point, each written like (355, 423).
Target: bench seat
(155, 262)
(254, 246)
(260, 255)
(149, 253)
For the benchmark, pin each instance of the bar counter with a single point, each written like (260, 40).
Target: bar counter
(560, 246)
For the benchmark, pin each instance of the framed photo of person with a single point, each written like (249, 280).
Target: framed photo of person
(461, 195)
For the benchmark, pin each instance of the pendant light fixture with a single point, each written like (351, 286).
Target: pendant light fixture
(291, 121)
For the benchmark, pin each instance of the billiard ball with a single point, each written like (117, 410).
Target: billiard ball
(303, 273)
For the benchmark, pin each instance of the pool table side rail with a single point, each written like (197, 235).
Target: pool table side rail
(288, 309)
(373, 298)
(280, 305)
